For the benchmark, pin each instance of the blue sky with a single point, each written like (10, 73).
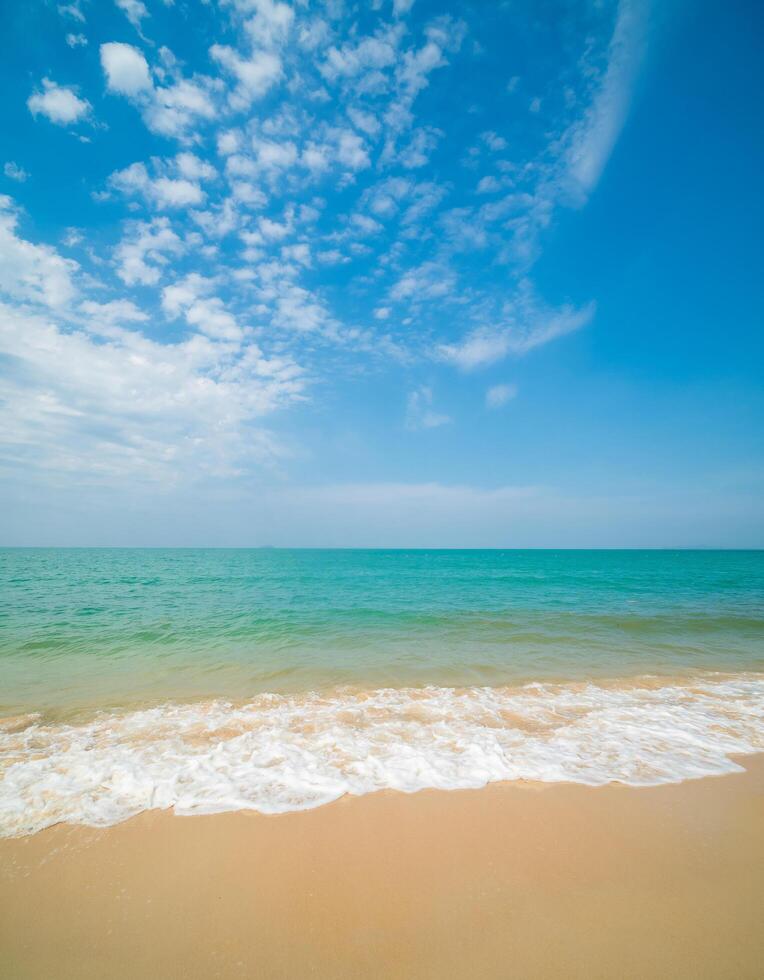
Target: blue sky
(387, 273)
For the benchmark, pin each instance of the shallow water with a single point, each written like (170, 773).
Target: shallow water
(80, 629)
(212, 679)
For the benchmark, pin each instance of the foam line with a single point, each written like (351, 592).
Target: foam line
(278, 753)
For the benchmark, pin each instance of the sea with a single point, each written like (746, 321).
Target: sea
(207, 680)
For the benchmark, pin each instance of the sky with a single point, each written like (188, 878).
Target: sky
(392, 273)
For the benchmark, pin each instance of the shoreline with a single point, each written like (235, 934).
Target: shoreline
(282, 753)
(536, 880)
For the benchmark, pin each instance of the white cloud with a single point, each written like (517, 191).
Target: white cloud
(332, 256)
(273, 156)
(270, 24)
(571, 163)
(76, 40)
(416, 199)
(72, 10)
(351, 150)
(354, 58)
(174, 106)
(115, 311)
(498, 395)
(190, 298)
(255, 75)
(134, 10)
(15, 172)
(527, 324)
(316, 158)
(166, 191)
(481, 347)
(365, 121)
(189, 165)
(273, 231)
(179, 107)
(126, 406)
(385, 197)
(300, 311)
(412, 75)
(367, 225)
(419, 411)
(299, 252)
(493, 141)
(248, 194)
(126, 70)
(229, 142)
(313, 34)
(417, 65)
(220, 219)
(171, 192)
(426, 197)
(171, 109)
(419, 149)
(464, 230)
(28, 272)
(211, 318)
(489, 185)
(59, 104)
(178, 296)
(591, 141)
(430, 280)
(241, 165)
(143, 252)
(546, 325)
(105, 401)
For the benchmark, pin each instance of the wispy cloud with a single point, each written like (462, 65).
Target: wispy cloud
(15, 172)
(526, 324)
(590, 141)
(134, 10)
(498, 395)
(419, 411)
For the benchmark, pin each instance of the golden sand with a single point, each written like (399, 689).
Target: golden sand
(505, 882)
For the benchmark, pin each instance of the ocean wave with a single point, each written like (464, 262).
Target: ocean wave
(278, 753)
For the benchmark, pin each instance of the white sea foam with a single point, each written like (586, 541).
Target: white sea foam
(280, 753)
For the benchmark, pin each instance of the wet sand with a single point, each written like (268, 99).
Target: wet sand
(510, 881)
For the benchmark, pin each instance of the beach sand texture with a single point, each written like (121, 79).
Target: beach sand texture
(508, 881)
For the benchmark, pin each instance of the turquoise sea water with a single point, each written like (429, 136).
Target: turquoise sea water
(213, 679)
(86, 628)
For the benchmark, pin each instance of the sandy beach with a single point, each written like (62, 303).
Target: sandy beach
(511, 880)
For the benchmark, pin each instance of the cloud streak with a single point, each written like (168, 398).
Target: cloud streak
(591, 140)
(527, 325)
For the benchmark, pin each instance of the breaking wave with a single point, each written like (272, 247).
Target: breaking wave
(278, 753)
